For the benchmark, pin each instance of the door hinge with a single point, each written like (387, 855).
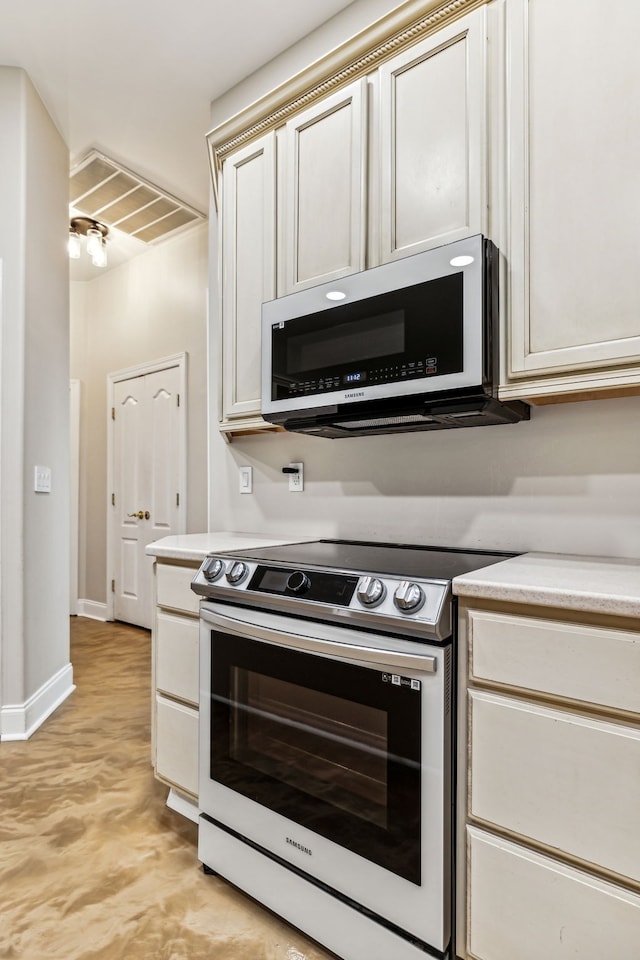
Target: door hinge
(113, 586)
(177, 499)
(113, 413)
(113, 499)
(178, 398)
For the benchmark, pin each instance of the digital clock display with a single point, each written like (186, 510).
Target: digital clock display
(358, 377)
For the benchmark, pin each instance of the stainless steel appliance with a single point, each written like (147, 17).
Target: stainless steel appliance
(409, 345)
(326, 738)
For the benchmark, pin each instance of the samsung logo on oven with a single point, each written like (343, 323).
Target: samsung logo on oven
(354, 395)
(299, 846)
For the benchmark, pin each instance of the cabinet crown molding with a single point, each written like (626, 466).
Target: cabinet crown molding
(356, 57)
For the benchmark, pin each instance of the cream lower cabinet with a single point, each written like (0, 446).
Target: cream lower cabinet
(573, 143)
(552, 799)
(175, 681)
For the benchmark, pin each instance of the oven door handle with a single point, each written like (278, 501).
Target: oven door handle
(258, 628)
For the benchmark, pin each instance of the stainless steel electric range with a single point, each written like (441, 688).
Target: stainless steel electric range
(327, 738)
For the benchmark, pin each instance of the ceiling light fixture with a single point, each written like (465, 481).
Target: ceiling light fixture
(96, 234)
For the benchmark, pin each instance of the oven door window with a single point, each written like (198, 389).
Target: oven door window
(330, 745)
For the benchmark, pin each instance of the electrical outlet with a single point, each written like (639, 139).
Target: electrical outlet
(246, 479)
(296, 480)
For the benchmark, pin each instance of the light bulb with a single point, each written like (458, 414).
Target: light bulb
(335, 295)
(99, 258)
(94, 242)
(75, 247)
(461, 261)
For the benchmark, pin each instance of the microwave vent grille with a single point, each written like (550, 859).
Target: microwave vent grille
(414, 418)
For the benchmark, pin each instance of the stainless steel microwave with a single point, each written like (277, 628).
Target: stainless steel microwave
(409, 345)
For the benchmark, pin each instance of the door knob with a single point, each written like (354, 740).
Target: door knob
(139, 515)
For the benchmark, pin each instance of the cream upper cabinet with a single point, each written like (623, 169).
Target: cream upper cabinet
(378, 152)
(432, 129)
(573, 147)
(248, 238)
(324, 190)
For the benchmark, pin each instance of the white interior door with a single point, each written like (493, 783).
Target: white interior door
(148, 430)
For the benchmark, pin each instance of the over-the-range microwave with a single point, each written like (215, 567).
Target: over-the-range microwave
(409, 345)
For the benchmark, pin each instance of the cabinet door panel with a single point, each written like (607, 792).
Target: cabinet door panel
(248, 269)
(177, 744)
(563, 780)
(177, 668)
(574, 141)
(432, 124)
(325, 182)
(173, 587)
(527, 906)
(562, 659)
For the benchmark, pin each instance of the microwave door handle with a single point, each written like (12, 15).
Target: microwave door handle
(257, 630)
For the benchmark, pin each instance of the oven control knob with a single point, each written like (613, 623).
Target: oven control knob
(212, 569)
(237, 572)
(409, 597)
(371, 591)
(298, 582)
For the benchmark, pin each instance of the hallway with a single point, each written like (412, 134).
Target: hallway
(93, 865)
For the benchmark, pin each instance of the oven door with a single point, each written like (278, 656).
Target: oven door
(328, 748)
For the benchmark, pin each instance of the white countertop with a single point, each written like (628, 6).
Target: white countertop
(195, 546)
(591, 584)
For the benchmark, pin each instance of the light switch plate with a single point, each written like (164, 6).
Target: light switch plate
(42, 479)
(246, 479)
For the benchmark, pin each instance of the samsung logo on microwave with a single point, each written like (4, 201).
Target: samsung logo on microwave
(299, 846)
(354, 395)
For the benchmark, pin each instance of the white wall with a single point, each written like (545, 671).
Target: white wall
(151, 307)
(34, 407)
(569, 480)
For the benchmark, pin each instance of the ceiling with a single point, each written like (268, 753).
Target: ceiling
(134, 79)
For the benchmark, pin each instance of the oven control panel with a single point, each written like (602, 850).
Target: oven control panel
(378, 600)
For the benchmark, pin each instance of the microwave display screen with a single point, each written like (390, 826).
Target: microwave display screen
(352, 342)
(404, 334)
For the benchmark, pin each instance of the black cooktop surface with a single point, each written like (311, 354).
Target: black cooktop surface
(407, 561)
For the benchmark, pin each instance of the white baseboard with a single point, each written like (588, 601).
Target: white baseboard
(92, 609)
(18, 721)
(183, 805)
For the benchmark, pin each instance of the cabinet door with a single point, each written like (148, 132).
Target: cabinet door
(527, 906)
(177, 744)
(574, 141)
(431, 140)
(557, 778)
(324, 215)
(248, 269)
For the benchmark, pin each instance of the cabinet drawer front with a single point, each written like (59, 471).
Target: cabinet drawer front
(563, 780)
(525, 906)
(173, 587)
(177, 656)
(177, 744)
(563, 659)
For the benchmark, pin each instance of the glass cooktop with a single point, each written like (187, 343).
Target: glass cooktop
(404, 560)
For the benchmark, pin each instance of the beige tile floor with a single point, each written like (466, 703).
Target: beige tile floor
(93, 865)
